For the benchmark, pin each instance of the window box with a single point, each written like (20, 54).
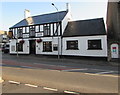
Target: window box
(22, 41)
(39, 40)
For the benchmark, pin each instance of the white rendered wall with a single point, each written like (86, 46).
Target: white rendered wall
(25, 46)
(65, 21)
(54, 40)
(83, 46)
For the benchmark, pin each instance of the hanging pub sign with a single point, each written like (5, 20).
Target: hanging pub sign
(39, 40)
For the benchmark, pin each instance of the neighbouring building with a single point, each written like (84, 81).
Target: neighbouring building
(54, 33)
(3, 38)
(113, 29)
(85, 38)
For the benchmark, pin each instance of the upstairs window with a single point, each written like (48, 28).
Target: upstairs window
(41, 28)
(32, 28)
(94, 45)
(27, 29)
(37, 28)
(47, 30)
(32, 31)
(47, 46)
(20, 31)
(24, 29)
(72, 45)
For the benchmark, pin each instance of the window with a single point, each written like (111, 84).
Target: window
(24, 30)
(32, 31)
(47, 46)
(41, 28)
(46, 30)
(19, 47)
(37, 28)
(12, 48)
(20, 30)
(15, 32)
(94, 44)
(72, 45)
(32, 28)
(27, 29)
(55, 47)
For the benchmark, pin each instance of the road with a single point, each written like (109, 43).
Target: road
(63, 81)
(10, 87)
(64, 75)
(66, 65)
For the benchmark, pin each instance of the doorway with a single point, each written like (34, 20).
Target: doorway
(32, 47)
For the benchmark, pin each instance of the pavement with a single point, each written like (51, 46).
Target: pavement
(63, 64)
(84, 60)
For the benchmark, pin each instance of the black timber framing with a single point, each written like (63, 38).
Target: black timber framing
(52, 33)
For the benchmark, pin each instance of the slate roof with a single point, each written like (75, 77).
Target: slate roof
(43, 19)
(85, 28)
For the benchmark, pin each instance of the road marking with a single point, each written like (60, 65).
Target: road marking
(102, 75)
(75, 69)
(31, 85)
(70, 92)
(50, 89)
(26, 67)
(105, 72)
(14, 82)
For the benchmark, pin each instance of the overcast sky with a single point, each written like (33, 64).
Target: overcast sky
(13, 12)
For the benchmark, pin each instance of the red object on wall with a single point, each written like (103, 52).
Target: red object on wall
(39, 40)
(22, 41)
(114, 47)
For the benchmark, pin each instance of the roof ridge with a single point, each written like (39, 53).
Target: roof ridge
(48, 13)
(86, 19)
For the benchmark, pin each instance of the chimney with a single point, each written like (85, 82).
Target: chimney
(67, 6)
(26, 13)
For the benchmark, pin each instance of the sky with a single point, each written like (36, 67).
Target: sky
(12, 12)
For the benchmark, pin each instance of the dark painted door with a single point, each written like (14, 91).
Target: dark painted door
(32, 47)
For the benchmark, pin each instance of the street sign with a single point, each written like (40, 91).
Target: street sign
(114, 51)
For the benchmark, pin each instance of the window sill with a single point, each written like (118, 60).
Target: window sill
(46, 51)
(94, 49)
(72, 49)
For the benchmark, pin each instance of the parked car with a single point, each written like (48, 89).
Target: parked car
(6, 48)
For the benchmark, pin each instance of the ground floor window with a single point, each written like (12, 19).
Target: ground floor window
(19, 47)
(94, 44)
(47, 46)
(55, 47)
(12, 48)
(72, 45)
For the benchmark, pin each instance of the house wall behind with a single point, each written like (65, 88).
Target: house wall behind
(113, 25)
(83, 46)
(113, 20)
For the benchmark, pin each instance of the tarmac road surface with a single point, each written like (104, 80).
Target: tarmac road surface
(66, 65)
(71, 81)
